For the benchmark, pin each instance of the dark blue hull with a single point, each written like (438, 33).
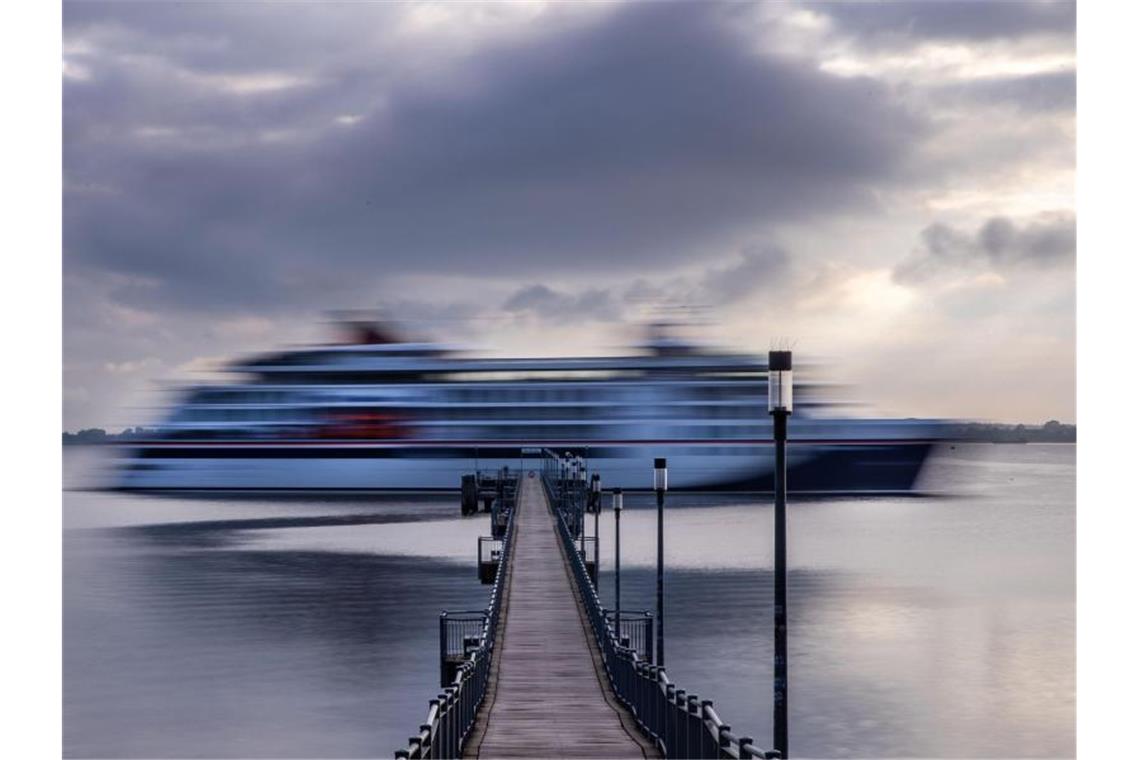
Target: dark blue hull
(849, 469)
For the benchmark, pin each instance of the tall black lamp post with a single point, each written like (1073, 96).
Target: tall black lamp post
(596, 505)
(660, 485)
(780, 407)
(617, 563)
(582, 486)
(566, 479)
(562, 474)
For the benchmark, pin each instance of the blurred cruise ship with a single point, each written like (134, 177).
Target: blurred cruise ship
(378, 412)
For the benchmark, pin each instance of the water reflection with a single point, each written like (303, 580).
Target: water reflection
(197, 638)
(307, 628)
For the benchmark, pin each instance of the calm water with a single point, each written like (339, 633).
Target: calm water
(919, 627)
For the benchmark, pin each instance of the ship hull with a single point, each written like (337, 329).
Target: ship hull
(832, 467)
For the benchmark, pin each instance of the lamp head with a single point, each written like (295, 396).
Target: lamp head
(779, 381)
(660, 475)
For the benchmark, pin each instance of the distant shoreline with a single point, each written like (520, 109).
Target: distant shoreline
(985, 432)
(965, 432)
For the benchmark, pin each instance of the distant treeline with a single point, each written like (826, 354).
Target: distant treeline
(99, 435)
(1051, 432)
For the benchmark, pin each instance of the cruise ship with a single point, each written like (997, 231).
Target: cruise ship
(377, 412)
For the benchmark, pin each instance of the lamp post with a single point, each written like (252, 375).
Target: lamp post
(780, 407)
(561, 484)
(660, 485)
(596, 501)
(579, 521)
(570, 478)
(617, 563)
(566, 489)
(580, 511)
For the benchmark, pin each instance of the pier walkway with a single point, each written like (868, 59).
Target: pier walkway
(545, 670)
(545, 641)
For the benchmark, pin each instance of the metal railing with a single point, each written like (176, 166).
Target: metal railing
(451, 715)
(636, 631)
(490, 557)
(681, 724)
(460, 634)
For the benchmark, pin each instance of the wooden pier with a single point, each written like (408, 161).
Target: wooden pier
(545, 670)
(545, 639)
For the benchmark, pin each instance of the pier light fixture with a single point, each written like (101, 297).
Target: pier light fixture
(617, 562)
(660, 475)
(780, 407)
(596, 501)
(779, 381)
(660, 485)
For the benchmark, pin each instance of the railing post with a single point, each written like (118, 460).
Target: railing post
(645, 706)
(694, 726)
(452, 722)
(440, 728)
(722, 740)
(709, 737)
(679, 711)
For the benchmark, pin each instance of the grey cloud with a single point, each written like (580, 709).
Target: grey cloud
(643, 141)
(998, 244)
(1048, 92)
(952, 19)
(755, 269)
(758, 268)
(626, 142)
(547, 303)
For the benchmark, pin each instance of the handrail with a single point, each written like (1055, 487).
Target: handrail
(682, 725)
(451, 715)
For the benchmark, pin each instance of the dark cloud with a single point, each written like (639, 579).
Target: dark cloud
(952, 19)
(998, 244)
(626, 142)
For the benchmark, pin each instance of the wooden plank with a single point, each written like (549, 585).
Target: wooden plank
(547, 697)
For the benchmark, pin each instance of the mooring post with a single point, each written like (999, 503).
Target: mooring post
(660, 485)
(617, 563)
(780, 407)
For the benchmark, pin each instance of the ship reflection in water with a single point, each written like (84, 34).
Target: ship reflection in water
(378, 412)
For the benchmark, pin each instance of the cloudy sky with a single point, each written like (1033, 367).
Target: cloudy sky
(890, 185)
